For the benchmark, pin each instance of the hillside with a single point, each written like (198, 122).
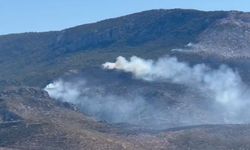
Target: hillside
(35, 58)
(56, 91)
(29, 119)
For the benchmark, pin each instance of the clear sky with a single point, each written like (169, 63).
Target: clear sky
(45, 15)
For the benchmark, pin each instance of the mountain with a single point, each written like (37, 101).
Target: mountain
(31, 119)
(36, 58)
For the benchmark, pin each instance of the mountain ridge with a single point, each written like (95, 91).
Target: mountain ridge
(40, 57)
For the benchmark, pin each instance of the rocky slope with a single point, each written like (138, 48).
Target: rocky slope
(31, 120)
(228, 37)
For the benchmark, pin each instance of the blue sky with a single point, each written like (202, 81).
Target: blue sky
(45, 15)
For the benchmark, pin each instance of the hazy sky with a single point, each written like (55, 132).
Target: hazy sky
(44, 15)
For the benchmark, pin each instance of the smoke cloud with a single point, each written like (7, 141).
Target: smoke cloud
(95, 101)
(161, 94)
(222, 85)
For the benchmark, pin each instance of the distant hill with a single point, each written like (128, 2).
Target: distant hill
(37, 58)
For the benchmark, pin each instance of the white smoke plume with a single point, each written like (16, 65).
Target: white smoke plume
(223, 84)
(213, 96)
(95, 102)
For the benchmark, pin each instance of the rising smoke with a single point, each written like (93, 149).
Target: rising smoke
(224, 85)
(95, 101)
(224, 96)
